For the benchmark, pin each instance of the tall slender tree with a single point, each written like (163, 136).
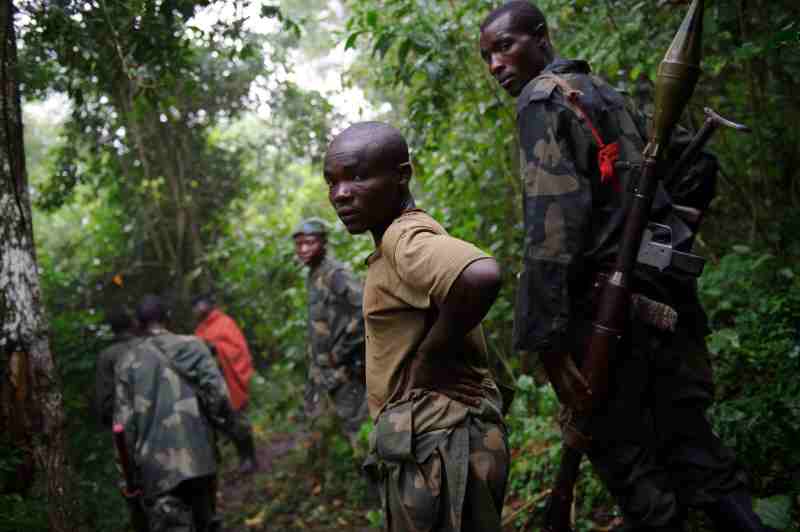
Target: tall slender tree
(31, 409)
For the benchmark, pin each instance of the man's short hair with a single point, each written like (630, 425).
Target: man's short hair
(120, 319)
(208, 297)
(151, 310)
(525, 17)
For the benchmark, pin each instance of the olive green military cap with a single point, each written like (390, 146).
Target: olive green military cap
(311, 226)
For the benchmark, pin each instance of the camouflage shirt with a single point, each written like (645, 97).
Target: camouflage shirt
(573, 221)
(104, 375)
(169, 394)
(335, 324)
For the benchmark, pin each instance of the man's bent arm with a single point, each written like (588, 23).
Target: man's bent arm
(469, 299)
(557, 203)
(467, 303)
(197, 364)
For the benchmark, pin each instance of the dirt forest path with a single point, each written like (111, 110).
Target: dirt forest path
(301, 487)
(297, 487)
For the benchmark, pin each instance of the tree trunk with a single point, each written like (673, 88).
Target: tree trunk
(31, 411)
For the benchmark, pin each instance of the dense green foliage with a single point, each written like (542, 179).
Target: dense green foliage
(754, 298)
(168, 172)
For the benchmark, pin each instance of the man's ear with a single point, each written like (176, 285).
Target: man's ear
(543, 40)
(404, 173)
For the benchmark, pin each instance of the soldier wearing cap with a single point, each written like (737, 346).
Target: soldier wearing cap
(335, 331)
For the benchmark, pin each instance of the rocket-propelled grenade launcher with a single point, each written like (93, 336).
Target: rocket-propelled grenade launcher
(677, 77)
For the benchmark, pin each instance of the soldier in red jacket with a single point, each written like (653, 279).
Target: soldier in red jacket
(228, 343)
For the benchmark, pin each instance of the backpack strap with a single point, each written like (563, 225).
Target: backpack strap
(162, 355)
(607, 154)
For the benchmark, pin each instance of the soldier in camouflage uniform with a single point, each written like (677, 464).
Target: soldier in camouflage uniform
(125, 328)
(169, 397)
(439, 449)
(651, 443)
(335, 332)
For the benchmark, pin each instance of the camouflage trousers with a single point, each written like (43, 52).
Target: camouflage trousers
(349, 401)
(453, 480)
(652, 445)
(189, 507)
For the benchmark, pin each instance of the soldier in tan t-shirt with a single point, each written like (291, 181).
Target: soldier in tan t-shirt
(439, 446)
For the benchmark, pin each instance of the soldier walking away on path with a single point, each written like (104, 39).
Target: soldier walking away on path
(125, 328)
(650, 443)
(439, 449)
(228, 343)
(335, 332)
(169, 397)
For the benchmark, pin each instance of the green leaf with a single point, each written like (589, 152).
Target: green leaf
(720, 340)
(383, 44)
(402, 52)
(748, 50)
(271, 11)
(351, 40)
(372, 18)
(775, 512)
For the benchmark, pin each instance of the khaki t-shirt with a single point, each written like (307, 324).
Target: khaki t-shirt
(415, 265)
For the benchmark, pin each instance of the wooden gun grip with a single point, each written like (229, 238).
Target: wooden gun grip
(130, 490)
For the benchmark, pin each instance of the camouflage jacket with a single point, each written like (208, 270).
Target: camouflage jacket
(169, 394)
(335, 324)
(573, 221)
(104, 375)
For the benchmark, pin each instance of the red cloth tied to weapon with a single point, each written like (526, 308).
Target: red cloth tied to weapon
(607, 154)
(606, 157)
